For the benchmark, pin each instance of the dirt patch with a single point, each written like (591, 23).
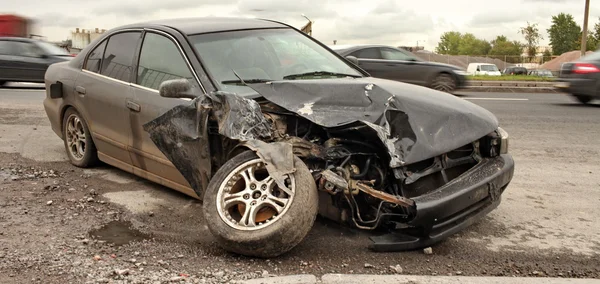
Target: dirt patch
(118, 233)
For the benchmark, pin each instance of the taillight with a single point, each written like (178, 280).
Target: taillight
(585, 68)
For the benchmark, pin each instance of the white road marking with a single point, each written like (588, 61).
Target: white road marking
(497, 99)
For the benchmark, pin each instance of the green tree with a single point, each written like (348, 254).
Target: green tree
(449, 43)
(502, 46)
(590, 44)
(547, 56)
(564, 33)
(470, 45)
(532, 36)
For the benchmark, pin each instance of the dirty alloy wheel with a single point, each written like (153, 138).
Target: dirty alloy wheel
(249, 214)
(444, 82)
(583, 99)
(78, 140)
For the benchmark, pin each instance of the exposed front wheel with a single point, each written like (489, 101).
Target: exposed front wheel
(250, 214)
(583, 99)
(78, 140)
(444, 82)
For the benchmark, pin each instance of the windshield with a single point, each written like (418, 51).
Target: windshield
(488, 68)
(266, 55)
(51, 49)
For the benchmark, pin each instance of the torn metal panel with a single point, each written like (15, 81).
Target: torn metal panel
(181, 136)
(414, 123)
(277, 156)
(239, 118)
(181, 133)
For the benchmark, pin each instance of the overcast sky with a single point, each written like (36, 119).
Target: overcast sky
(393, 22)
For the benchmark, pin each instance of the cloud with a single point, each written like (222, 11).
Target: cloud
(286, 9)
(138, 8)
(54, 19)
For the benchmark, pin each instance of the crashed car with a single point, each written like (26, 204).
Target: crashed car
(270, 128)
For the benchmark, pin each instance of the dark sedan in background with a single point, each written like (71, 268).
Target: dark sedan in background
(581, 78)
(400, 65)
(26, 60)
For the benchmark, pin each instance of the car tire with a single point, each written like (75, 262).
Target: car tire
(78, 140)
(272, 231)
(444, 82)
(583, 99)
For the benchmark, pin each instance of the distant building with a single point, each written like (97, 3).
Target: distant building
(81, 38)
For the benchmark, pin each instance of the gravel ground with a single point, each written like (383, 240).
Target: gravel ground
(62, 224)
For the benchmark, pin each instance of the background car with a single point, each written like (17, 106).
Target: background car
(581, 78)
(541, 73)
(486, 69)
(26, 60)
(515, 70)
(400, 65)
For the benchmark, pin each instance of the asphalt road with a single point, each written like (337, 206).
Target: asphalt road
(546, 225)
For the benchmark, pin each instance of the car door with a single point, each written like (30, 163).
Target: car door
(407, 68)
(160, 59)
(22, 61)
(370, 60)
(103, 89)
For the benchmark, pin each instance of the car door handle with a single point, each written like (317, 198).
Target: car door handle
(133, 106)
(80, 90)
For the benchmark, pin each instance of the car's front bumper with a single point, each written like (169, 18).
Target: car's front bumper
(578, 86)
(453, 207)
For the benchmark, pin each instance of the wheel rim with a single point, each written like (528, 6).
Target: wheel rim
(75, 137)
(250, 199)
(443, 83)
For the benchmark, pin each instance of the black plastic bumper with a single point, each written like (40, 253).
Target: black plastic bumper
(453, 207)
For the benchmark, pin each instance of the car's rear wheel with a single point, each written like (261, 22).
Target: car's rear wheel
(78, 140)
(583, 99)
(250, 214)
(444, 82)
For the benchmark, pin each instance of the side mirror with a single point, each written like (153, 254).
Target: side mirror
(352, 59)
(176, 88)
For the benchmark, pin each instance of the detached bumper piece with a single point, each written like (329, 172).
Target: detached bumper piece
(453, 207)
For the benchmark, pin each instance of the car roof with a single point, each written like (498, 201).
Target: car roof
(25, 39)
(191, 26)
(356, 46)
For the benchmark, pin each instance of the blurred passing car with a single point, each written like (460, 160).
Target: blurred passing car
(396, 64)
(541, 73)
(515, 70)
(26, 60)
(581, 78)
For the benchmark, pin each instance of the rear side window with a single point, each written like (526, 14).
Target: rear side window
(7, 47)
(161, 60)
(95, 58)
(367, 53)
(117, 61)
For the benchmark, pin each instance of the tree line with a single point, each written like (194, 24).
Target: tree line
(564, 35)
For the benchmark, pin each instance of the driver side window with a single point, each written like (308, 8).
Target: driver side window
(367, 53)
(393, 54)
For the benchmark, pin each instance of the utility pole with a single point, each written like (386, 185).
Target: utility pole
(585, 27)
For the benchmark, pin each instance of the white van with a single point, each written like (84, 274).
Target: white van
(483, 69)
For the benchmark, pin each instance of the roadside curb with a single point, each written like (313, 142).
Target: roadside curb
(511, 86)
(413, 279)
(498, 89)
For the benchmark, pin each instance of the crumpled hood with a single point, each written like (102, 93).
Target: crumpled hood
(414, 123)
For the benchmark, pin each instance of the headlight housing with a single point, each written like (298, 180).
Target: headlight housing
(495, 143)
(503, 140)
(460, 72)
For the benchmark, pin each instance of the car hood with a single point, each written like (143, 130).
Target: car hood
(413, 122)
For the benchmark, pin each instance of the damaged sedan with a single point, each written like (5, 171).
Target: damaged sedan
(269, 128)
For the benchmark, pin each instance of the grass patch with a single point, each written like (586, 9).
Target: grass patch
(509, 78)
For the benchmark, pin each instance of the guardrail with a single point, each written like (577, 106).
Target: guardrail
(511, 86)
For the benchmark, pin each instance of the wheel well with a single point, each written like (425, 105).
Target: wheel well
(62, 115)
(441, 73)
